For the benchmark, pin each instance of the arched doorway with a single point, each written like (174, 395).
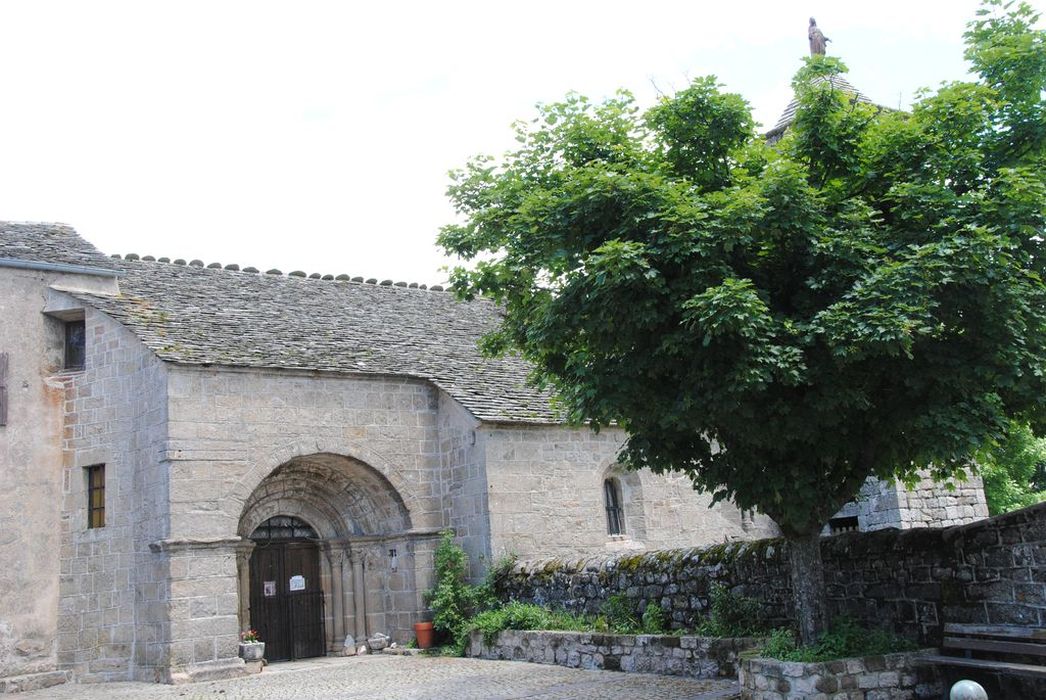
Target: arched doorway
(344, 522)
(286, 596)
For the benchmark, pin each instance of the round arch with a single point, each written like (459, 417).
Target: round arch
(302, 448)
(632, 501)
(366, 545)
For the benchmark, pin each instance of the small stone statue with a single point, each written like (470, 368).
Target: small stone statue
(818, 41)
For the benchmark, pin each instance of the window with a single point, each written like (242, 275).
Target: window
(612, 501)
(95, 495)
(284, 527)
(75, 344)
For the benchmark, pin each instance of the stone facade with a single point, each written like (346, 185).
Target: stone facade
(887, 677)
(988, 572)
(542, 474)
(666, 655)
(218, 399)
(32, 468)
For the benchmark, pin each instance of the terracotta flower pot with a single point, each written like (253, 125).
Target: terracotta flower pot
(423, 632)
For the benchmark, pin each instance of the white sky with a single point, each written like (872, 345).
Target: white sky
(317, 135)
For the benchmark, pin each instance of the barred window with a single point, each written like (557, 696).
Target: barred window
(284, 527)
(612, 501)
(95, 495)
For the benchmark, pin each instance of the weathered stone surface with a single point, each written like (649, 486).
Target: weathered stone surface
(699, 657)
(890, 677)
(912, 580)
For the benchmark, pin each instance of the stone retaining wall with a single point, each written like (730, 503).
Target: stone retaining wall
(670, 655)
(989, 572)
(888, 677)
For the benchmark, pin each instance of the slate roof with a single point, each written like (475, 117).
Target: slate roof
(49, 243)
(212, 316)
(788, 115)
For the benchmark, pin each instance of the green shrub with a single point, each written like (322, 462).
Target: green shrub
(654, 621)
(845, 638)
(527, 616)
(620, 616)
(453, 600)
(732, 615)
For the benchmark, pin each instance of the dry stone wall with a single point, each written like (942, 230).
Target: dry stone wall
(667, 655)
(888, 677)
(990, 572)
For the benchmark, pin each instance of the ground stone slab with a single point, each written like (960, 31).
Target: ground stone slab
(411, 678)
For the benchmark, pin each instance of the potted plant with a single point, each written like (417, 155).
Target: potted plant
(423, 632)
(251, 648)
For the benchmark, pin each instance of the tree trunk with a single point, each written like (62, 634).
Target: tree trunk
(808, 591)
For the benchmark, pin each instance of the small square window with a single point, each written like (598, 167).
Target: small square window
(95, 495)
(75, 344)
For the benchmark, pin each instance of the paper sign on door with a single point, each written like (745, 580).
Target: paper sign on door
(297, 583)
(269, 589)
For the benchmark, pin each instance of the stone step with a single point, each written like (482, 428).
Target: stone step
(32, 681)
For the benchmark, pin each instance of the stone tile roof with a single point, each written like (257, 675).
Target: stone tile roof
(199, 315)
(788, 115)
(49, 243)
(202, 315)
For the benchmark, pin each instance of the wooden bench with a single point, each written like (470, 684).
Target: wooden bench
(1011, 650)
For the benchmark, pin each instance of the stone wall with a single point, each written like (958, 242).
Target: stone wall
(463, 479)
(667, 655)
(112, 592)
(546, 498)
(31, 471)
(883, 504)
(888, 677)
(988, 572)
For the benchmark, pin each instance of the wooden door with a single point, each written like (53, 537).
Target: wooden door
(286, 600)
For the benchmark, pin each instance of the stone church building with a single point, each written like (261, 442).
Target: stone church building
(189, 450)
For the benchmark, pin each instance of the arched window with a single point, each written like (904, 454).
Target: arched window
(612, 501)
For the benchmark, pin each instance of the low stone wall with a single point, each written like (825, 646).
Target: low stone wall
(698, 657)
(988, 572)
(888, 677)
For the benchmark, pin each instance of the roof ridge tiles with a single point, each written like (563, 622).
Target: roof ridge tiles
(274, 272)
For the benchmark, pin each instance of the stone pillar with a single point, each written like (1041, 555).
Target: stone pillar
(338, 598)
(359, 594)
(202, 633)
(327, 575)
(243, 575)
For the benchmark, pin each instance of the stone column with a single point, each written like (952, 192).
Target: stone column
(243, 575)
(359, 593)
(328, 592)
(338, 598)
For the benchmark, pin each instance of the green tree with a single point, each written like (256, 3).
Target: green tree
(1014, 470)
(864, 297)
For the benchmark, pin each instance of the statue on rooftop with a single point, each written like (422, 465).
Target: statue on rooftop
(818, 40)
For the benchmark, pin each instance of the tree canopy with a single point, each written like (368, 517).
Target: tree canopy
(1014, 470)
(864, 297)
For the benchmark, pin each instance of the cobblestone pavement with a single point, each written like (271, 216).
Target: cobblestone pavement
(413, 678)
